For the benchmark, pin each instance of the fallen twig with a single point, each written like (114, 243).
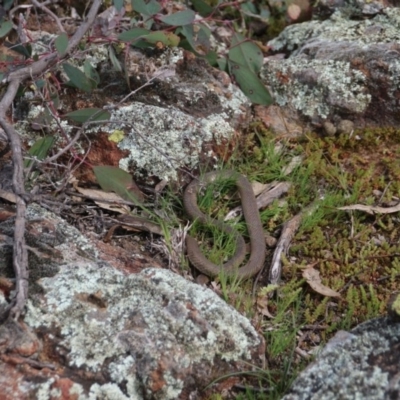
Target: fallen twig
(288, 232)
(372, 209)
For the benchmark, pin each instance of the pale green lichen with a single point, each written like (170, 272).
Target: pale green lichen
(336, 84)
(161, 141)
(68, 239)
(359, 367)
(384, 28)
(317, 79)
(146, 316)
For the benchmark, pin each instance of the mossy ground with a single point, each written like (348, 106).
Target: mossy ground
(356, 253)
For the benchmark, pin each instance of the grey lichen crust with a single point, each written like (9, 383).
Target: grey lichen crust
(384, 28)
(336, 85)
(333, 64)
(161, 141)
(362, 365)
(138, 327)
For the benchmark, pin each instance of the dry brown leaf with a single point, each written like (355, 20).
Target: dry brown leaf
(314, 280)
(294, 163)
(372, 209)
(258, 187)
(112, 200)
(9, 196)
(262, 306)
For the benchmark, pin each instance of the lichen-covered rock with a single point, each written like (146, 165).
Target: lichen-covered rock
(361, 364)
(181, 118)
(93, 332)
(150, 335)
(352, 8)
(339, 68)
(161, 141)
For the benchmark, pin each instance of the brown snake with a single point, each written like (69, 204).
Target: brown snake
(253, 221)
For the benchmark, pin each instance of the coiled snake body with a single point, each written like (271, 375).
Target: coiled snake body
(254, 226)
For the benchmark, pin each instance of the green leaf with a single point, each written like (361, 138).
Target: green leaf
(153, 7)
(222, 64)
(212, 58)
(5, 27)
(118, 4)
(180, 18)
(40, 83)
(90, 72)
(7, 4)
(245, 53)
(61, 44)
(133, 34)
(40, 149)
(148, 9)
(25, 50)
(199, 42)
(139, 6)
(166, 38)
(78, 78)
(113, 179)
(202, 7)
(250, 84)
(86, 114)
(249, 7)
(114, 60)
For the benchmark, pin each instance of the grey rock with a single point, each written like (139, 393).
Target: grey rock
(329, 128)
(361, 364)
(345, 126)
(339, 68)
(99, 333)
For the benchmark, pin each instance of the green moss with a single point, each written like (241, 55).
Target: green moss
(354, 252)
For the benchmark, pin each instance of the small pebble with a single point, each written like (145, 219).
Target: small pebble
(345, 126)
(329, 128)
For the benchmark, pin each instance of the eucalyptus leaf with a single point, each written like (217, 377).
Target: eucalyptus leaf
(222, 64)
(90, 72)
(212, 58)
(166, 38)
(133, 34)
(5, 27)
(61, 44)
(114, 60)
(250, 84)
(118, 4)
(139, 6)
(147, 9)
(7, 4)
(180, 18)
(40, 149)
(153, 7)
(245, 53)
(249, 7)
(78, 78)
(199, 42)
(114, 179)
(202, 7)
(24, 49)
(92, 114)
